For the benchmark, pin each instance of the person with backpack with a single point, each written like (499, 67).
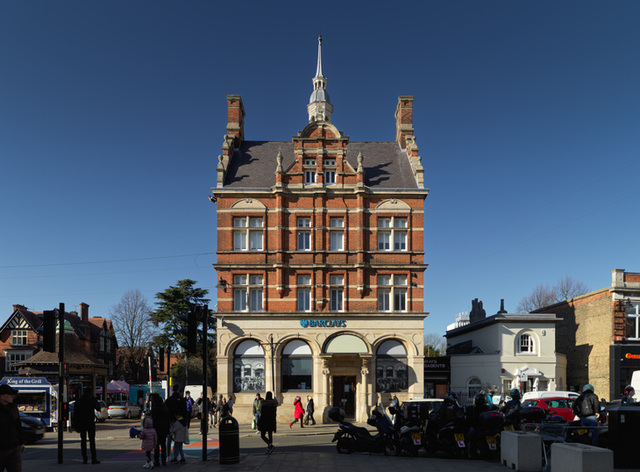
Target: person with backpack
(587, 407)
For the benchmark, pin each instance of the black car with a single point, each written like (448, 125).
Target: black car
(32, 428)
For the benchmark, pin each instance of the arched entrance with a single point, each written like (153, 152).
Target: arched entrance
(346, 359)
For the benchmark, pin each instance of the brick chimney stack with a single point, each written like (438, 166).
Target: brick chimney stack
(404, 119)
(19, 307)
(235, 119)
(84, 312)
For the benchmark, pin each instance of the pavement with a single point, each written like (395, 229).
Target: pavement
(282, 459)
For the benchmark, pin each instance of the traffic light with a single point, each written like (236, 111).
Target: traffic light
(64, 369)
(64, 411)
(161, 359)
(49, 331)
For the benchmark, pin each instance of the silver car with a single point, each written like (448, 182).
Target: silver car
(124, 410)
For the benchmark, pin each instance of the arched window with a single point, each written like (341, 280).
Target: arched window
(391, 367)
(297, 366)
(473, 388)
(248, 367)
(526, 344)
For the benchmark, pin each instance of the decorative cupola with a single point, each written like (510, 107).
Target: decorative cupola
(319, 107)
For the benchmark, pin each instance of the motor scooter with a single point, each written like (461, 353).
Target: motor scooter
(485, 443)
(350, 438)
(408, 433)
(446, 434)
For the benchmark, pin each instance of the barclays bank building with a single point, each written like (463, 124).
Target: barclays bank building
(320, 264)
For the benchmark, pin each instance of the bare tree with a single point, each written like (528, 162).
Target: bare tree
(130, 318)
(434, 345)
(568, 287)
(544, 295)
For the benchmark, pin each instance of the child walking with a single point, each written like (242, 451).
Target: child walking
(149, 441)
(179, 432)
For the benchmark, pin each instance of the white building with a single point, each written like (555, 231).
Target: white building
(504, 351)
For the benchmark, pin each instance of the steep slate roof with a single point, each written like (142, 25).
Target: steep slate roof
(253, 165)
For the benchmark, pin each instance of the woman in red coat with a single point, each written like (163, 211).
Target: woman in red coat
(298, 412)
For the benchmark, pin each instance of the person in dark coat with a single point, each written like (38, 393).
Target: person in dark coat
(310, 410)
(587, 407)
(11, 440)
(84, 419)
(160, 417)
(176, 408)
(267, 420)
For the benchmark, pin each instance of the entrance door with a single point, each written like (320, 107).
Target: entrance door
(344, 394)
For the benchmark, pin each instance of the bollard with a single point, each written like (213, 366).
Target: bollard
(229, 438)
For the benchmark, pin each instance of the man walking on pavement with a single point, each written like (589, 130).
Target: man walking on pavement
(11, 440)
(84, 419)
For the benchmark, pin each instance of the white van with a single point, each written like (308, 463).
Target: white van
(549, 394)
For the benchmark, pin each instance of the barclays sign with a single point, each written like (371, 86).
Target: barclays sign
(323, 323)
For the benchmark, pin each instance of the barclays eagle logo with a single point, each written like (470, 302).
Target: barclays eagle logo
(304, 323)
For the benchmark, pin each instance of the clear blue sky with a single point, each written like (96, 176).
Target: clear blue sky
(112, 115)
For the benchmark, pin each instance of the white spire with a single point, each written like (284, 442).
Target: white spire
(319, 107)
(319, 68)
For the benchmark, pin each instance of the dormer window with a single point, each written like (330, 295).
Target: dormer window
(330, 171)
(309, 171)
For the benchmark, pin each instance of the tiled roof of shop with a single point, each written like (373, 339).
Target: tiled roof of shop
(253, 165)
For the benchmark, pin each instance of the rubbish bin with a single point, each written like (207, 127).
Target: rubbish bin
(229, 437)
(624, 428)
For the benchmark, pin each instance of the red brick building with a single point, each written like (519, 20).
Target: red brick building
(90, 347)
(320, 263)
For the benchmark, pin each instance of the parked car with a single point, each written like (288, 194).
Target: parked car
(124, 410)
(32, 428)
(549, 394)
(554, 406)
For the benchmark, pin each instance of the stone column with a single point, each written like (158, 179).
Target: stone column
(363, 396)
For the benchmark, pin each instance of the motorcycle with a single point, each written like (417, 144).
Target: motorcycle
(350, 438)
(485, 442)
(446, 434)
(408, 434)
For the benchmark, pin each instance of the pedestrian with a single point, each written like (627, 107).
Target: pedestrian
(218, 410)
(160, 417)
(180, 436)
(310, 410)
(587, 407)
(395, 405)
(256, 412)
(176, 407)
(212, 412)
(298, 412)
(189, 402)
(224, 409)
(149, 438)
(267, 420)
(84, 419)
(201, 403)
(11, 440)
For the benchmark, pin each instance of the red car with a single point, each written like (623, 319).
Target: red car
(554, 406)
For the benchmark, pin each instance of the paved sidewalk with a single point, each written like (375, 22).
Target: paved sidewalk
(283, 459)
